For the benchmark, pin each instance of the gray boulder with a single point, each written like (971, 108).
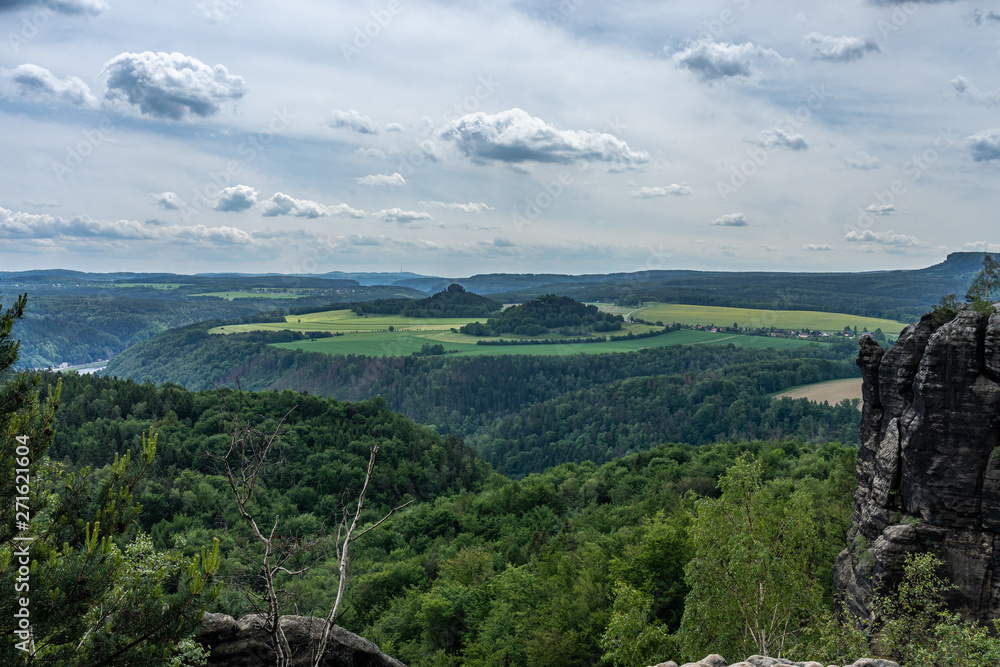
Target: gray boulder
(245, 643)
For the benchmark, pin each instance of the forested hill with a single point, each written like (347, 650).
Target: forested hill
(467, 395)
(615, 419)
(451, 302)
(325, 442)
(538, 315)
(901, 295)
(481, 570)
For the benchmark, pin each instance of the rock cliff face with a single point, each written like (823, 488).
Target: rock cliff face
(929, 467)
(244, 643)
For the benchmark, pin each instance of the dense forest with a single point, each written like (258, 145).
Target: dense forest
(618, 418)
(577, 564)
(539, 315)
(438, 584)
(562, 567)
(473, 396)
(452, 301)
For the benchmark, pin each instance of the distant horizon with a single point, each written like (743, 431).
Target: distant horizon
(469, 275)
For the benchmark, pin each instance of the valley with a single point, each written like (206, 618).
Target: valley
(395, 335)
(553, 455)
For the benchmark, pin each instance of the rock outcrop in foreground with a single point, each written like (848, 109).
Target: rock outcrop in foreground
(244, 643)
(715, 660)
(929, 467)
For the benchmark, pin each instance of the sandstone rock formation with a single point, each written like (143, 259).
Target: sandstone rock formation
(928, 466)
(244, 643)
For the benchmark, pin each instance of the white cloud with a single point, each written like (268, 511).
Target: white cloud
(393, 127)
(362, 240)
(968, 91)
(71, 7)
(218, 12)
(19, 225)
(731, 220)
(282, 204)
(471, 207)
(503, 243)
(352, 120)
(168, 201)
(889, 238)
(391, 180)
(981, 246)
(220, 236)
(170, 85)
(514, 136)
(776, 138)
(39, 83)
(881, 209)
(710, 60)
(982, 16)
(401, 216)
(840, 49)
(672, 190)
(817, 247)
(16, 224)
(236, 198)
(374, 153)
(985, 145)
(863, 161)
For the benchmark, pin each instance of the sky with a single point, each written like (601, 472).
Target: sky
(455, 138)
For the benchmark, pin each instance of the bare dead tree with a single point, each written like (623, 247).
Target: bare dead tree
(346, 535)
(243, 463)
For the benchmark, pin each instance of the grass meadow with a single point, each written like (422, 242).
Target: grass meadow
(371, 335)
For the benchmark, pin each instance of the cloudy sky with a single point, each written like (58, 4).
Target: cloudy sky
(453, 138)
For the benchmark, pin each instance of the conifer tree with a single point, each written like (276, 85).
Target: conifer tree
(81, 584)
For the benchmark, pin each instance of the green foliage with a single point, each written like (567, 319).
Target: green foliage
(984, 287)
(654, 565)
(945, 311)
(611, 420)
(451, 302)
(631, 640)
(916, 628)
(527, 413)
(829, 639)
(96, 591)
(539, 315)
(983, 291)
(913, 626)
(751, 584)
(483, 570)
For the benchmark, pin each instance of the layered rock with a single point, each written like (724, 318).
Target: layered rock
(928, 466)
(245, 643)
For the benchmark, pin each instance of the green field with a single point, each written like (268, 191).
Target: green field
(370, 335)
(397, 343)
(251, 295)
(755, 319)
(163, 286)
